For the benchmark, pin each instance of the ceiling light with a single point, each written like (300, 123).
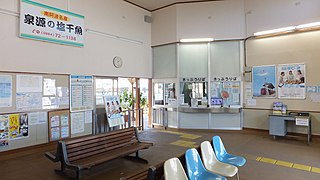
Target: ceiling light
(314, 25)
(275, 31)
(197, 40)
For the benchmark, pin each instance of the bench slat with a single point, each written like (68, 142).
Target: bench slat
(127, 138)
(86, 138)
(97, 150)
(109, 155)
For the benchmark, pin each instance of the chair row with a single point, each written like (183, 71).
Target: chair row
(216, 164)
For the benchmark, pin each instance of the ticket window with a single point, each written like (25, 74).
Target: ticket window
(193, 91)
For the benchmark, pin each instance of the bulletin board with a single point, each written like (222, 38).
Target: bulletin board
(26, 99)
(59, 125)
(23, 93)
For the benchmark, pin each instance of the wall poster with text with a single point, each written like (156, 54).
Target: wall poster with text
(264, 81)
(291, 81)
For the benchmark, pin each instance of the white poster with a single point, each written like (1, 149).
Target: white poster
(43, 118)
(5, 91)
(28, 101)
(49, 87)
(77, 122)
(88, 117)
(81, 93)
(45, 23)
(64, 131)
(33, 118)
(291, 81)
(29, 83)
(55, 133)
(55, 121)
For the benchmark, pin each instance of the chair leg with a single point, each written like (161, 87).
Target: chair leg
(238, 175)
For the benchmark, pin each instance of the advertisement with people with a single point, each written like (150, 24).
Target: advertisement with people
(113, 111)
(291, 81)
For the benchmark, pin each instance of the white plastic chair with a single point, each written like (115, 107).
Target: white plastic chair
(212, 164)
(173, 170)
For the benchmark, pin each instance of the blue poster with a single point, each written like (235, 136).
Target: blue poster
(264, 81)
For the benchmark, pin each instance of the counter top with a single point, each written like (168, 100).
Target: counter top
(204, 110)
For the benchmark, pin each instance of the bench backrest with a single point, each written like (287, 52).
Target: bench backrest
(92, 145)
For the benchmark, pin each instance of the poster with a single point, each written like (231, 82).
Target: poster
(77, 122)
(29, 83)
(81, 93)
(46, 23)
(5, 91)
(225, 93)
(113, 111)
(35, 118)
(4, 130)
(55, 133)
(88, 117)
(264, 81)
(49, 87)
(291, 81)
(18, 126)
(55, 121)
(65, 132)
(28, 101)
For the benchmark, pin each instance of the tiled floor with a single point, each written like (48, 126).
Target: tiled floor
(267, 159)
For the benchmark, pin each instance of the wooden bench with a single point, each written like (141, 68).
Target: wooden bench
(155, 172)
(83, 153)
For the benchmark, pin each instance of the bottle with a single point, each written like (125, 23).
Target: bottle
(284, 109)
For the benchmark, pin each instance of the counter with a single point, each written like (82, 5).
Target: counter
(203, 118)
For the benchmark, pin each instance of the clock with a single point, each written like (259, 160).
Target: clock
(117, 62)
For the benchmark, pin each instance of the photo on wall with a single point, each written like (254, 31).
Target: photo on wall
(264, 81)
(291, 81)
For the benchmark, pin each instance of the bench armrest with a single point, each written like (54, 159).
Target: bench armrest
(52, 157)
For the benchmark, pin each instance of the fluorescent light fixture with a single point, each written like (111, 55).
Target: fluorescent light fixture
(275, 31)
(197, 40)
(309, 26)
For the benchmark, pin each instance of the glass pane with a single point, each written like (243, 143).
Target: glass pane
(225, 58)
(165, 61)
(103, 87)
(193, 60)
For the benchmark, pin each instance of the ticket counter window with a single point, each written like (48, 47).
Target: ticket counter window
(193, 91)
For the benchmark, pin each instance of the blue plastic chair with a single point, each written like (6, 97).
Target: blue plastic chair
(223, 156)
(196, 169)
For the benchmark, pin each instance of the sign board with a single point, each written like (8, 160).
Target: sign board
(81, 93)
(302, 121)
(46, 23)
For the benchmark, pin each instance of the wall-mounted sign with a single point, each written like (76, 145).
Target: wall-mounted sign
(193, 79)
(81, 93)
(226, 78)
(46, 23)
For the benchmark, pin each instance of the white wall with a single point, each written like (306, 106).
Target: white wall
(217, 19)
(220, 20)
(271, 14)
(164, 26)
(112, 17)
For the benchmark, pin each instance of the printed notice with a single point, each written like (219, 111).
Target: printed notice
(81, 90)
(29, 83)
(5, 91)
(77, 122)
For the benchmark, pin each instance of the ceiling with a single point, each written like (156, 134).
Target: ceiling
(152, 5)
